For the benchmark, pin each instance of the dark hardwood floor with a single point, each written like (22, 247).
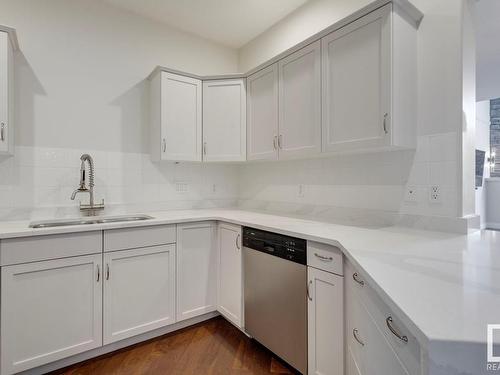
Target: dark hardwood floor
(211, 347)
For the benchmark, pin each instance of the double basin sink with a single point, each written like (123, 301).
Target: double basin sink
(87, 221)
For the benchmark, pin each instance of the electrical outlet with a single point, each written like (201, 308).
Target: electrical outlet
(435, 194)
(181, 187)
(411, 194)
(301, 192)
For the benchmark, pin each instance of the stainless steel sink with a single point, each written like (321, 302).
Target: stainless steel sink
(87, 221)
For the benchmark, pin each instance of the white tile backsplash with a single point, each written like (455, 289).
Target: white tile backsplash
(42, 179)
(375, 182)
(39, 180)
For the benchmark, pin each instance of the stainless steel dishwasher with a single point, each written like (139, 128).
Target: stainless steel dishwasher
(275, 293)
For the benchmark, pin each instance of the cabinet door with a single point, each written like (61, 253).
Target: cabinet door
(262, 114)
(230, 284)
(6, 94)
(300, 103)
(50, 310)
(196, 269)
(139, 291)
(357, 84)
(325, 323)
(181, 118)
(224, 120)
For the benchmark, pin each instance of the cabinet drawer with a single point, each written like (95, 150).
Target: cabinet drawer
(325, 257)
(37, 248)
(408, 351)
(131, 238)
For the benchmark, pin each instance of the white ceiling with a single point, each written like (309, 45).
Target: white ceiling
(488, 49)
(229, 22)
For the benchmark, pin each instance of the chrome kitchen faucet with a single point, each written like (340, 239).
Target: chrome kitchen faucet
(91, 207)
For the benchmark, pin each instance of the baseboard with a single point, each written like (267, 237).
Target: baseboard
(118, 345)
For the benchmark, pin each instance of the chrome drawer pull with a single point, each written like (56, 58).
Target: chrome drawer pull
(355, 334)
(393, 330)
(356, 278)
(237, 242)
(323, 258)
(307, 290)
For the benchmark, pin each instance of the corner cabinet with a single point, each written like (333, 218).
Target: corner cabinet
(224, 120)
(6, 93)
(50, 310)
(176, 117)
(369, 83)
(230, 282)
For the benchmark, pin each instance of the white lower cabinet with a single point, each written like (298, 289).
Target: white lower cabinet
(196, 269)
(139, 291)
(369, 346)
(50, 310)
(230, 285)
(325, 323)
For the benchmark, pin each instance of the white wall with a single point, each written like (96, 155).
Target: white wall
(378, 181)
(482, 143)
(81, 86)
(468, 165)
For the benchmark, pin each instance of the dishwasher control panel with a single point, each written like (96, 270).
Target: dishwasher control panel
(286, 247)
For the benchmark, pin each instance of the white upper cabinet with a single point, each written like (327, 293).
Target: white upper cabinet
(262, 114)
(196, 269)
(176, 117)
(224, 120)
(300, 103)
(369, 84)
(6, 94)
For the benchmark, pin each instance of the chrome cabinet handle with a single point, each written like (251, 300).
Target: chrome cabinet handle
(2, 131)
(237, 241)
(389, 321)
(356, 278)
(356, 337)
(385, 123)
(204, 148)
(280, 141)
(323, 258)
(307, 290)
(98, 273)
(107, 271)
(274, 142)
(164, 145)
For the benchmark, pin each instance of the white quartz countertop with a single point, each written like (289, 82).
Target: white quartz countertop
(445, 287)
